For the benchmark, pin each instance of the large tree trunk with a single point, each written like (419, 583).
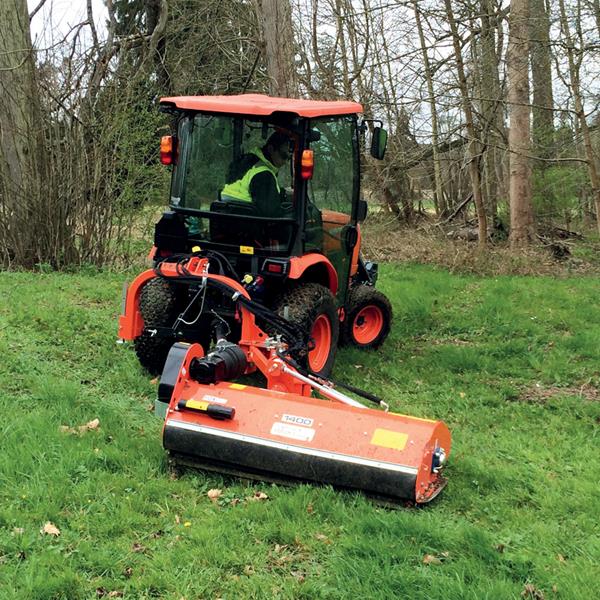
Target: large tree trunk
(278, 38)
(522, 227)
(21, 138)
(541, 78)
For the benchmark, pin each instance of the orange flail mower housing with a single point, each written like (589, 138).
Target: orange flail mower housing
(288, 436)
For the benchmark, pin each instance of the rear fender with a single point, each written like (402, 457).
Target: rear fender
(315, 268)
(131, 323)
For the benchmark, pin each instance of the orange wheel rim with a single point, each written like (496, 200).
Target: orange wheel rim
(321, 334)
(367, 324)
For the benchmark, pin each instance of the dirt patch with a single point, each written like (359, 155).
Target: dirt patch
(386, 240)
(448, 341)
(539, 394)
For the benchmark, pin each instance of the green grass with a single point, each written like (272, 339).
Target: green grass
(512, 364)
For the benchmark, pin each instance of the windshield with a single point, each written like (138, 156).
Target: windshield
(241, 172)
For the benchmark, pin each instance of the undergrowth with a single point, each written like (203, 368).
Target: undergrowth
(387, 240)
(510, 363)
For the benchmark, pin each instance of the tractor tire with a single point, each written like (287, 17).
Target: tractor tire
(368, 318)
(312, 307)
(158, 306)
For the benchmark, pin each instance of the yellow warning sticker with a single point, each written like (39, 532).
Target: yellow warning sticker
(389, 439)
(196, 404)
(237, 386)
(246, 250)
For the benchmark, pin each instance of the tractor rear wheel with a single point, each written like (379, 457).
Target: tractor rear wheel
(158, 306)
(312, 307)
(368, 318)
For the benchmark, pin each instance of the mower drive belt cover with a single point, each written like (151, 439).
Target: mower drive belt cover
(288, 437)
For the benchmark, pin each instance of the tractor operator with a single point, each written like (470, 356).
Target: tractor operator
(253, 178)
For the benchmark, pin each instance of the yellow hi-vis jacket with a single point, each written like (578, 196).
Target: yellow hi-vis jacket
(240, 190)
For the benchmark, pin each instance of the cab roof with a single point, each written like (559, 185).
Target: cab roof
(261, 105)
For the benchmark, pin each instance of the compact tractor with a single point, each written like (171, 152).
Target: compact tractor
(237, 288)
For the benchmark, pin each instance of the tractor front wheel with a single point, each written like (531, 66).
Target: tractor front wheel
(312, 307)
(368, 318)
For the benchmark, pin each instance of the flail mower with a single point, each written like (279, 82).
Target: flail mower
(256, 268)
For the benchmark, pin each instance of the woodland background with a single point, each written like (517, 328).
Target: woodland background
(492, 109)
(491, 106)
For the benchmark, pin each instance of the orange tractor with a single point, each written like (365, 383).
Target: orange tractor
(237, 288)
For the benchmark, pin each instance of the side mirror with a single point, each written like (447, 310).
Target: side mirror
(378, 143)
(361, 213)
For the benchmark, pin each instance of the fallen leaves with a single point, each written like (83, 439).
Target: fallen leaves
(435, 559)
(214, 495)
(80, 429)
(257, 497)
(539, 394)
(50, 529)
(289, 559)
(104, 593)
(322, 538)
(217, 496)
(299, 576)
(531, 592)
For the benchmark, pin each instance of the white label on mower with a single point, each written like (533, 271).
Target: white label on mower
(214, 399)
(296, 420)
(303, 434)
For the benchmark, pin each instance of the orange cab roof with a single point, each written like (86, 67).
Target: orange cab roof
(261, 105)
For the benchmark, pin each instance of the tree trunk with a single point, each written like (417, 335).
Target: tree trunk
(574, 75)
(21, 138)
(438, 190)
(278, 37)
(522, 228)
(541, 78)
(156, 19)
(597, 15)
(491, 107)
(474, 174)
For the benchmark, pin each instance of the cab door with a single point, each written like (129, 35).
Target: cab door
(332, 195)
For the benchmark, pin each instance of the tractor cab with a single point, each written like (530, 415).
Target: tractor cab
(315, 207)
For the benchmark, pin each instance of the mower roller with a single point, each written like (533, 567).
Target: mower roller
(234, 292)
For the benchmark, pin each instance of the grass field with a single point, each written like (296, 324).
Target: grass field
(512, 364)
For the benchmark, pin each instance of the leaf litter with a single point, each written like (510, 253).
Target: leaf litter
(80, 429)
